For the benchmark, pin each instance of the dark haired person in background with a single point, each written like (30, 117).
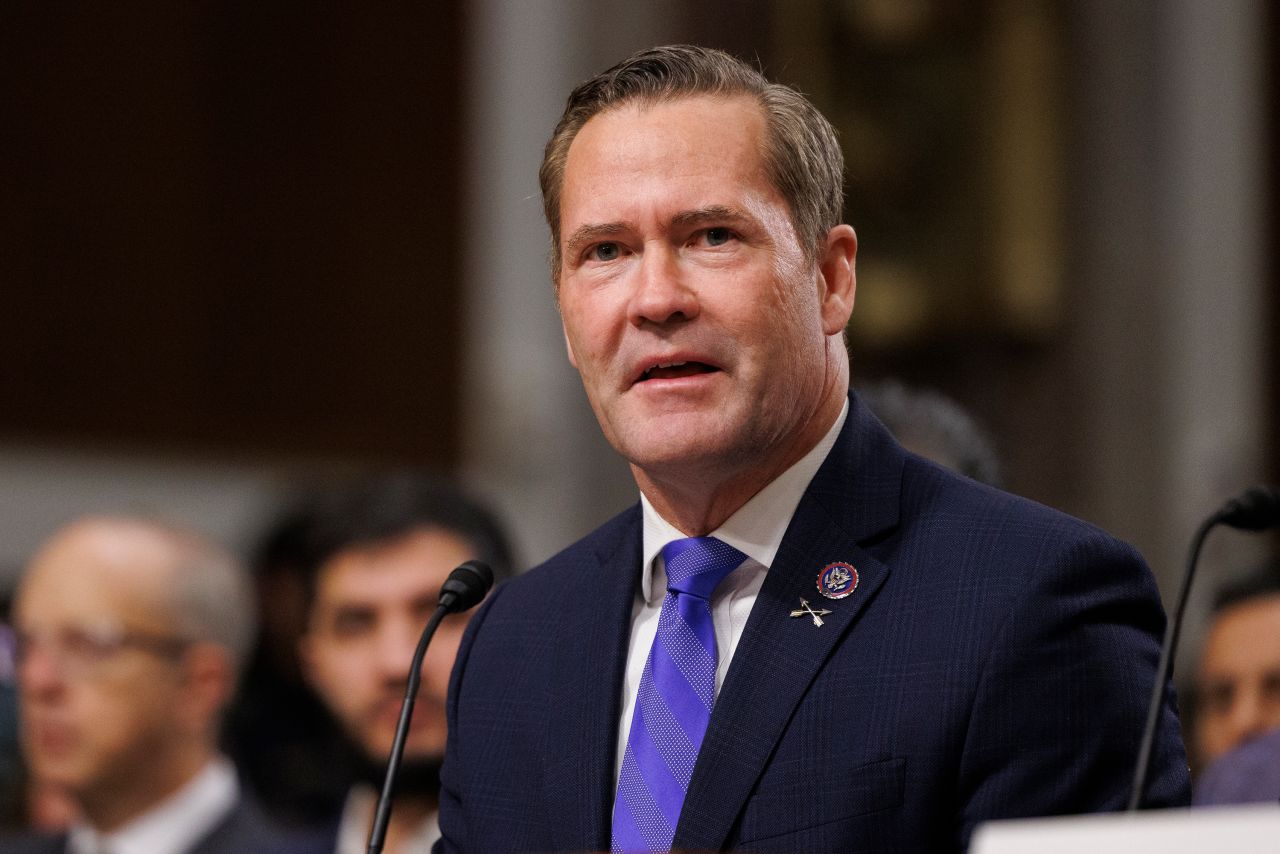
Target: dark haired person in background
(289, 750)
(930, 424)
(370, 558)
(1238, 678)
(803, 637)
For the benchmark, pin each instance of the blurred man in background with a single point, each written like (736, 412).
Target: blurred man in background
(12, 776)
(290, 752)
(130, 635)
(1238, 680)
(378, 554)
(929, 423)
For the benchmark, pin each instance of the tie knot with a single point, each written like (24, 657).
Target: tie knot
(697, 564)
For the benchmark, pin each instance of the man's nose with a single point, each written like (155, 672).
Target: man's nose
(1248, 716)
(40, 674)
(663, 293)
(393, 653)
(437, 666)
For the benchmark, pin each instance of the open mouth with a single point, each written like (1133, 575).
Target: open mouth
(676, 370)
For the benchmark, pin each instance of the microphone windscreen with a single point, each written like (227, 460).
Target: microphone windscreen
(1256, 509)
(466, 586)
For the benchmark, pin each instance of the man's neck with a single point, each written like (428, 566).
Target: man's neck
(120, 802)
(407, 815)
(696, 506)
(698, 500)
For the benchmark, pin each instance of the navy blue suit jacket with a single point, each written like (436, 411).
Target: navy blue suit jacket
(994, 661)
(245, 830)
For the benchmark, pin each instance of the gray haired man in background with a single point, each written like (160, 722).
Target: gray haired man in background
(130, 636)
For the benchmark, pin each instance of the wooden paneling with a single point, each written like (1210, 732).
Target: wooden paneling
(232, 227)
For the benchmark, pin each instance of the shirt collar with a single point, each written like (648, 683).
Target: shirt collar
(357, 822)
(175, 823)
(756, 528)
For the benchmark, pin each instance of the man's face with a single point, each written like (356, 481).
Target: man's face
(1238, 685)
(371, 604)
(701, 331)
(100, 672)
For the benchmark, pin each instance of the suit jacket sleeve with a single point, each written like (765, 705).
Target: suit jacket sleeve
(451, 813)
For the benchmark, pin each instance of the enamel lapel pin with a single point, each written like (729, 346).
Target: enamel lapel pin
(837, 580)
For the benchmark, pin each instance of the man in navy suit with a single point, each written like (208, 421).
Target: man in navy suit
(898, 653)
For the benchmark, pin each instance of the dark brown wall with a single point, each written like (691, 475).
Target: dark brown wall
(1272, 48)
(231, 227)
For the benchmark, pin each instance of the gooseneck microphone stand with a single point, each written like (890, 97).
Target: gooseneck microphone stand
(465, 587)
(1257, 509)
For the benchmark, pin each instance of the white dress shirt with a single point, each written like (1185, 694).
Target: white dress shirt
(175, 824)
(756, 530)
(357, 822)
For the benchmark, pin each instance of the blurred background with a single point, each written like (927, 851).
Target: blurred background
(248, 246)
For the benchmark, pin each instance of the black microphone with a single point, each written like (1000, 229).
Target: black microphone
(464, 587)
(1255, 509)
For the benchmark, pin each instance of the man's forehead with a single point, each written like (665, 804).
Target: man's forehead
(1252, 612)
(96, 575)
(639, 108)
(401, 568)
(103, 542)
(666, 158)
(1244, 638)
(616, 132)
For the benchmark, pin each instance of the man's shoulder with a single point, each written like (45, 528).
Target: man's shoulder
(1248, 774)
(870, 485)
(939, 498)
(581, 561)
(31, 843)
(248, 829)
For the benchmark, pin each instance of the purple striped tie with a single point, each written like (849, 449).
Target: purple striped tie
(674, 702)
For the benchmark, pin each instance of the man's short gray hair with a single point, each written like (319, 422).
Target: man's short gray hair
(213, 597)
(206, 591)
(801, 154)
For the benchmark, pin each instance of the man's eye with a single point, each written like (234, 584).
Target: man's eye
(605, 252)
(718, 236)
(351, 623)
(1217, 697)
(425, 606)
(88, 646)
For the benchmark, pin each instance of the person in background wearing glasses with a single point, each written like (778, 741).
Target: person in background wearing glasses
(130, 635)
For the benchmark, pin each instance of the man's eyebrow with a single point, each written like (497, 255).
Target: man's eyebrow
(348, 608)
(587, 233)
(711, 213)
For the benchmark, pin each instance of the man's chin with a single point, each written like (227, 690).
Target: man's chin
(421, 740)
(418, 776)
(683, 455)
(64, 773)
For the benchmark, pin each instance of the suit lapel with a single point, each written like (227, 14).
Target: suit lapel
(582, 733)
(853, 498)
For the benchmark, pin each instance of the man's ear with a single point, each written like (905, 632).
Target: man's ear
(210, 683)
(837, 267)
(568, 346)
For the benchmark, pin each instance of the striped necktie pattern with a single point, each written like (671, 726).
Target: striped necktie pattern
(673, 705)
